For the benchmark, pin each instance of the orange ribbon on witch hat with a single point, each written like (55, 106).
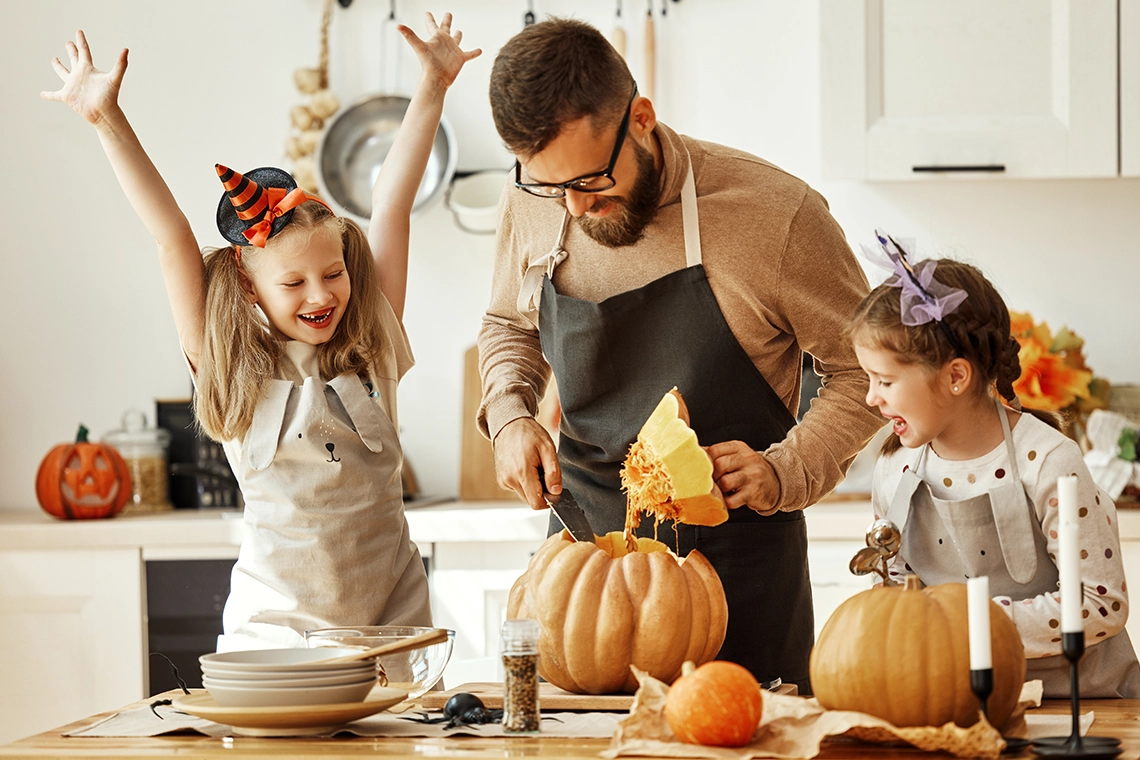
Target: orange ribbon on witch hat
(250, 199)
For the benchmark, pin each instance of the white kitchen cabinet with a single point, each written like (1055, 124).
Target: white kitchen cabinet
(914, 89)
(71, 632)
(1130, 88)
(831, 581)
(469, 587)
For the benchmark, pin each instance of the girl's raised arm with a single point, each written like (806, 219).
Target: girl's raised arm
(403, 169)
(94, 95)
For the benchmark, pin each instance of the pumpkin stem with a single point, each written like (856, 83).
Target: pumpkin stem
(912, 583)
(81, 436)
(687, 668)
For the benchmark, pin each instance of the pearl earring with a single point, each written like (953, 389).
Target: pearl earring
(955, 388)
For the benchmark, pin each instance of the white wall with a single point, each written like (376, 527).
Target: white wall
(89, 332)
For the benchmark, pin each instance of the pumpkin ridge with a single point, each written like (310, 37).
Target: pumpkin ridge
(582, 614)
(615, 620)
(551, 611)
(662, 612)
(712, 591)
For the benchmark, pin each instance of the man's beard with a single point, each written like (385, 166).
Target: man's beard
(626, 224)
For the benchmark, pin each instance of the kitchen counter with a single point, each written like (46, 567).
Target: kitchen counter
(435, 522)
(1119, 718)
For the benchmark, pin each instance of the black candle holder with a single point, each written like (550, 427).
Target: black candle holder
(982, 684)
(1074, 745)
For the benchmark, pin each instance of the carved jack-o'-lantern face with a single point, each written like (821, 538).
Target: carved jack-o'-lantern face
(83, 480)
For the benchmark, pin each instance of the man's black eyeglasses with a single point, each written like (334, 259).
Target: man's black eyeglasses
(587, 183)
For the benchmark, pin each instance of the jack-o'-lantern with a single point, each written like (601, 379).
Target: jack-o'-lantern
(83, 480)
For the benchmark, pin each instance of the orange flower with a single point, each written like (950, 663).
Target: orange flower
(1020, 323)
(1047, 380)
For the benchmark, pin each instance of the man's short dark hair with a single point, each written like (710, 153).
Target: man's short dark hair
(552, 73)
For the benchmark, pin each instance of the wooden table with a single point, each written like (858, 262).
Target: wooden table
(1114, 717)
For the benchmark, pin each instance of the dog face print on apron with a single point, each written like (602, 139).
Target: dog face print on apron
(326, 540)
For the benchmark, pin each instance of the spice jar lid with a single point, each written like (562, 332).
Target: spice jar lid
(520, 636)
(136, 439)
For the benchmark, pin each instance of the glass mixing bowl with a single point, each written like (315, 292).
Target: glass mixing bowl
(416, 671)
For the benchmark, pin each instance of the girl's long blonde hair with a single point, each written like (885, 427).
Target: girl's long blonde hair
(239, 352)
(980, 326)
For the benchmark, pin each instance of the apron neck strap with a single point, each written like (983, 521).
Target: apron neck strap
(689, 214)
(1007, 434)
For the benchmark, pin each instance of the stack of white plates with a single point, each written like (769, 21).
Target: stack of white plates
(279, 677)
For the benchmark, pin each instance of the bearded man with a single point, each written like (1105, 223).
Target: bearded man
(631, 260)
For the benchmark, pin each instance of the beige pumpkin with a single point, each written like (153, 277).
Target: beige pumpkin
(602, 608)
(902, 653)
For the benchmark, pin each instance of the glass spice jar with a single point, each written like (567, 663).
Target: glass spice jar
(520, 681)
(144, 450)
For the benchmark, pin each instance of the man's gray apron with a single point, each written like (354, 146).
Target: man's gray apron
(327, 542)
(613, 361)
(997, 534)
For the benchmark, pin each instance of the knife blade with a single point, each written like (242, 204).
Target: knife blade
(570, 513)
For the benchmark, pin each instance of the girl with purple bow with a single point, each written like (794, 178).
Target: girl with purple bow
(970, 478)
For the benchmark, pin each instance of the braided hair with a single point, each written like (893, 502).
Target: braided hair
(979, 325)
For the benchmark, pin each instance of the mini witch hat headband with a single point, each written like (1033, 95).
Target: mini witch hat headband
(922, 298)
(258, 204)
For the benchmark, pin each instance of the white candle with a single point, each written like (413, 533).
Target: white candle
(1069, 555)
(978, 614)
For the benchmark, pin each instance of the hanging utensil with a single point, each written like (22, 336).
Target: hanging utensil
(528, 17)
(617, 39)
(358, 138)
(650, 55)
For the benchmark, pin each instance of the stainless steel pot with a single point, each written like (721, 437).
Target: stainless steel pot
(354, 145)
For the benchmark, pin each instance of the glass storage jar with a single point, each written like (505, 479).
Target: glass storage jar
(144, 449)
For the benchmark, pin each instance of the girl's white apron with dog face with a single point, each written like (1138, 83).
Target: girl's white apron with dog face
(996, 534)
(326, 540)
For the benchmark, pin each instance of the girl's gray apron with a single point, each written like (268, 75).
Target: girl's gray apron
(326, 540)
(997, 534)
(613, 361)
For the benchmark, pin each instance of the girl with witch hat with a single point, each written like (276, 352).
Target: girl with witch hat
(294, 339)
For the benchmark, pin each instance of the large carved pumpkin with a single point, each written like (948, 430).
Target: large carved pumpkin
(83, 480)
(902, 653)
(602, 608)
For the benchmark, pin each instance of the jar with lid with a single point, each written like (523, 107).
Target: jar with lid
(520, 681)
(144, 450)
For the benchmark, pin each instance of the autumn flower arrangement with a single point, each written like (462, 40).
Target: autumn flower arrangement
(1054, 375)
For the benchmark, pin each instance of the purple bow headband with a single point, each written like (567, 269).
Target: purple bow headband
(923, 298)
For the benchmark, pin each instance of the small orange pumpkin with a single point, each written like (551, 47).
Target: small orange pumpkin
(83, 480)
(717, 704)
(902, 653)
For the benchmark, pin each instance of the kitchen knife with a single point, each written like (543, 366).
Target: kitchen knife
(566, 507)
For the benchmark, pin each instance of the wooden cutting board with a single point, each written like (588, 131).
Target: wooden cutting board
(476, 461)
(550, 697)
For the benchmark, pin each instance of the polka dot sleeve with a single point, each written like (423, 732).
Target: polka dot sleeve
(1105, 608)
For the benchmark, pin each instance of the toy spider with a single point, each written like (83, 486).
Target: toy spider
(462, 710)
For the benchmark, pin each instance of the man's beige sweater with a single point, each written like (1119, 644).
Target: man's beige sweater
(779, 266)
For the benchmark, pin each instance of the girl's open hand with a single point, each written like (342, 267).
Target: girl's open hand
(440, 55)
(91, 93)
